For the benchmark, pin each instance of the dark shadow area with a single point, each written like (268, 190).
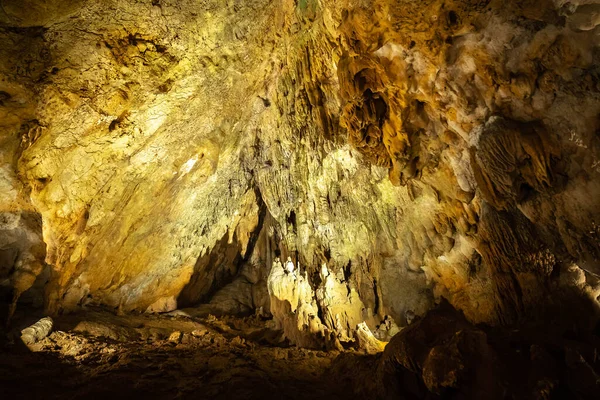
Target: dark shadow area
(221, 265)
(443, 356)
(96, 354)
(211, 272)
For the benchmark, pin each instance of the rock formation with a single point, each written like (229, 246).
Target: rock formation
(162, 154)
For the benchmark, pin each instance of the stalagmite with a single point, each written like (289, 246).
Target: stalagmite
(366, 341)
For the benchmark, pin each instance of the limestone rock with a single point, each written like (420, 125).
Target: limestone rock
(294, 306)
(445, 355)
(388, 329)
(37, 331)
(175, 337)
(163, 305)
(367, 341)
(421, 150)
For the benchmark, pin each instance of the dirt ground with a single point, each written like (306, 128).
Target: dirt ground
(101, 355)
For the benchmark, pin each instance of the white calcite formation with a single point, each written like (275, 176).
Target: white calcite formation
(294, 306)
(307, 311)
(37, 331)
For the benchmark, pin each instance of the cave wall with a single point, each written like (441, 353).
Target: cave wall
(418, 149)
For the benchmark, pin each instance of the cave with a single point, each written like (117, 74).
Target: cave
(322, 199)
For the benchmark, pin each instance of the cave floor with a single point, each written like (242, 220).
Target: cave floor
(101, 355)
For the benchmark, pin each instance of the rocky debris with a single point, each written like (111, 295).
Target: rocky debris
(178, 314)
(163, 305)
(37, 331)
(441, 355)
(199, 333)
(175, 337)
(445, 355)
(228, 365)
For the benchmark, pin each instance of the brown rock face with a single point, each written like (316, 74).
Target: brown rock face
(444, 356)
(418, 149)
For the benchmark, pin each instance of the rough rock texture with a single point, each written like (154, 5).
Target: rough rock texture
(99, 355)
(419, 149)
(329, 316)
(443, 356)
(439, 356)
(37, 331)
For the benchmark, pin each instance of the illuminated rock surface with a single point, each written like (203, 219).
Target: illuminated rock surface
(159, 155)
